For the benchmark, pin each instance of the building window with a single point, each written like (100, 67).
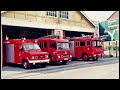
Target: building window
(52, 13)
(64, 14)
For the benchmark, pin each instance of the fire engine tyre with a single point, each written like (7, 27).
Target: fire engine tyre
(64, 62)
(85, 57)
(25, 64)
(95, 58)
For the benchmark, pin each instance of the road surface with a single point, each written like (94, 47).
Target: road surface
(104, 68)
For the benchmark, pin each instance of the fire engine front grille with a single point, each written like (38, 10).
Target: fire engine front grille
(42, 56)
(65, 56)
(98, 52)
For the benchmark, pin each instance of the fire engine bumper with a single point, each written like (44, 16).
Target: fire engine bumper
(98, 55)
(63, 59)
(39, 61)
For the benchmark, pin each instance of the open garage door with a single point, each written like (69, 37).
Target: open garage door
(75, 34)
(16, 32)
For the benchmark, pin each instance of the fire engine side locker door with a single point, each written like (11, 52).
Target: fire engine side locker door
(78, 49)
(72, 48)
(10, 53)
(81, 47)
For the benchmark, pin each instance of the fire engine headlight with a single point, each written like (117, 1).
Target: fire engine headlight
(58, 56)
(70, 55)
(94, 54)
(46, 56)
(33, 57)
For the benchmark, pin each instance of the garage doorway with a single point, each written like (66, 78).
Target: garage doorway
(17, 32)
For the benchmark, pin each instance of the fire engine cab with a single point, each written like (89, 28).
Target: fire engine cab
(86, 47)
(25, 52)
(58, 48)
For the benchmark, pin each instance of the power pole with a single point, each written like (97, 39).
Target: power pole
(58, 17)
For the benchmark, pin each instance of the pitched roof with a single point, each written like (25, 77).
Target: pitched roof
(3, 11)
(111, 15)
(87, 18)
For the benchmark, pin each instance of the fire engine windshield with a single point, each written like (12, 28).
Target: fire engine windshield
(63, 46)
(31, 47)
(97, 43)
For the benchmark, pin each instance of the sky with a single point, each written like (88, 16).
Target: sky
(98, 15)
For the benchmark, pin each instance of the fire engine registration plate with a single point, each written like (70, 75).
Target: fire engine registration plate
(65, 58)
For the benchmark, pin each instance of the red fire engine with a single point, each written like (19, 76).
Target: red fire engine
(58, 48)
(86, 47)
(25, 52)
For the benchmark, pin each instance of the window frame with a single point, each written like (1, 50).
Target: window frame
(52, 13)
(64, 14)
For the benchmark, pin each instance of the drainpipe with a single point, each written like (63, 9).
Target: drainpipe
(116, 48)
(1, 47)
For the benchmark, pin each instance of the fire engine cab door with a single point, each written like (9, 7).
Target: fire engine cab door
(52, 46)
(21, 53)
(80, 49)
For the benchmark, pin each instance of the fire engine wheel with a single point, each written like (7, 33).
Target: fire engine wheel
(85, 57)
(95, 58)
(64, 62)
(25, 64)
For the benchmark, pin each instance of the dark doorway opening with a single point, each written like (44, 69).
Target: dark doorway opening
(17, 32)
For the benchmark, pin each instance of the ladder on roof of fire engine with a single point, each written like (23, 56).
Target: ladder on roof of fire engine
(83, 36)
(51, 36)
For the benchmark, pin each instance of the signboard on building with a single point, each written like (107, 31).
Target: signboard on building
(110, 28)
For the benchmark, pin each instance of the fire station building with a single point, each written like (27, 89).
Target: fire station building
(35, 24)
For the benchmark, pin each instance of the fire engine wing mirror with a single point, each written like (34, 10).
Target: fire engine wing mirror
(21, 49)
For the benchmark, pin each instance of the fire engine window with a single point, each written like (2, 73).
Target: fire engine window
(77, 43)
(82, 43)
(53, 45)
(97, 43)
(63, 46)
(41, 44)
(88, 43)
(31, 46)
(45, 44)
